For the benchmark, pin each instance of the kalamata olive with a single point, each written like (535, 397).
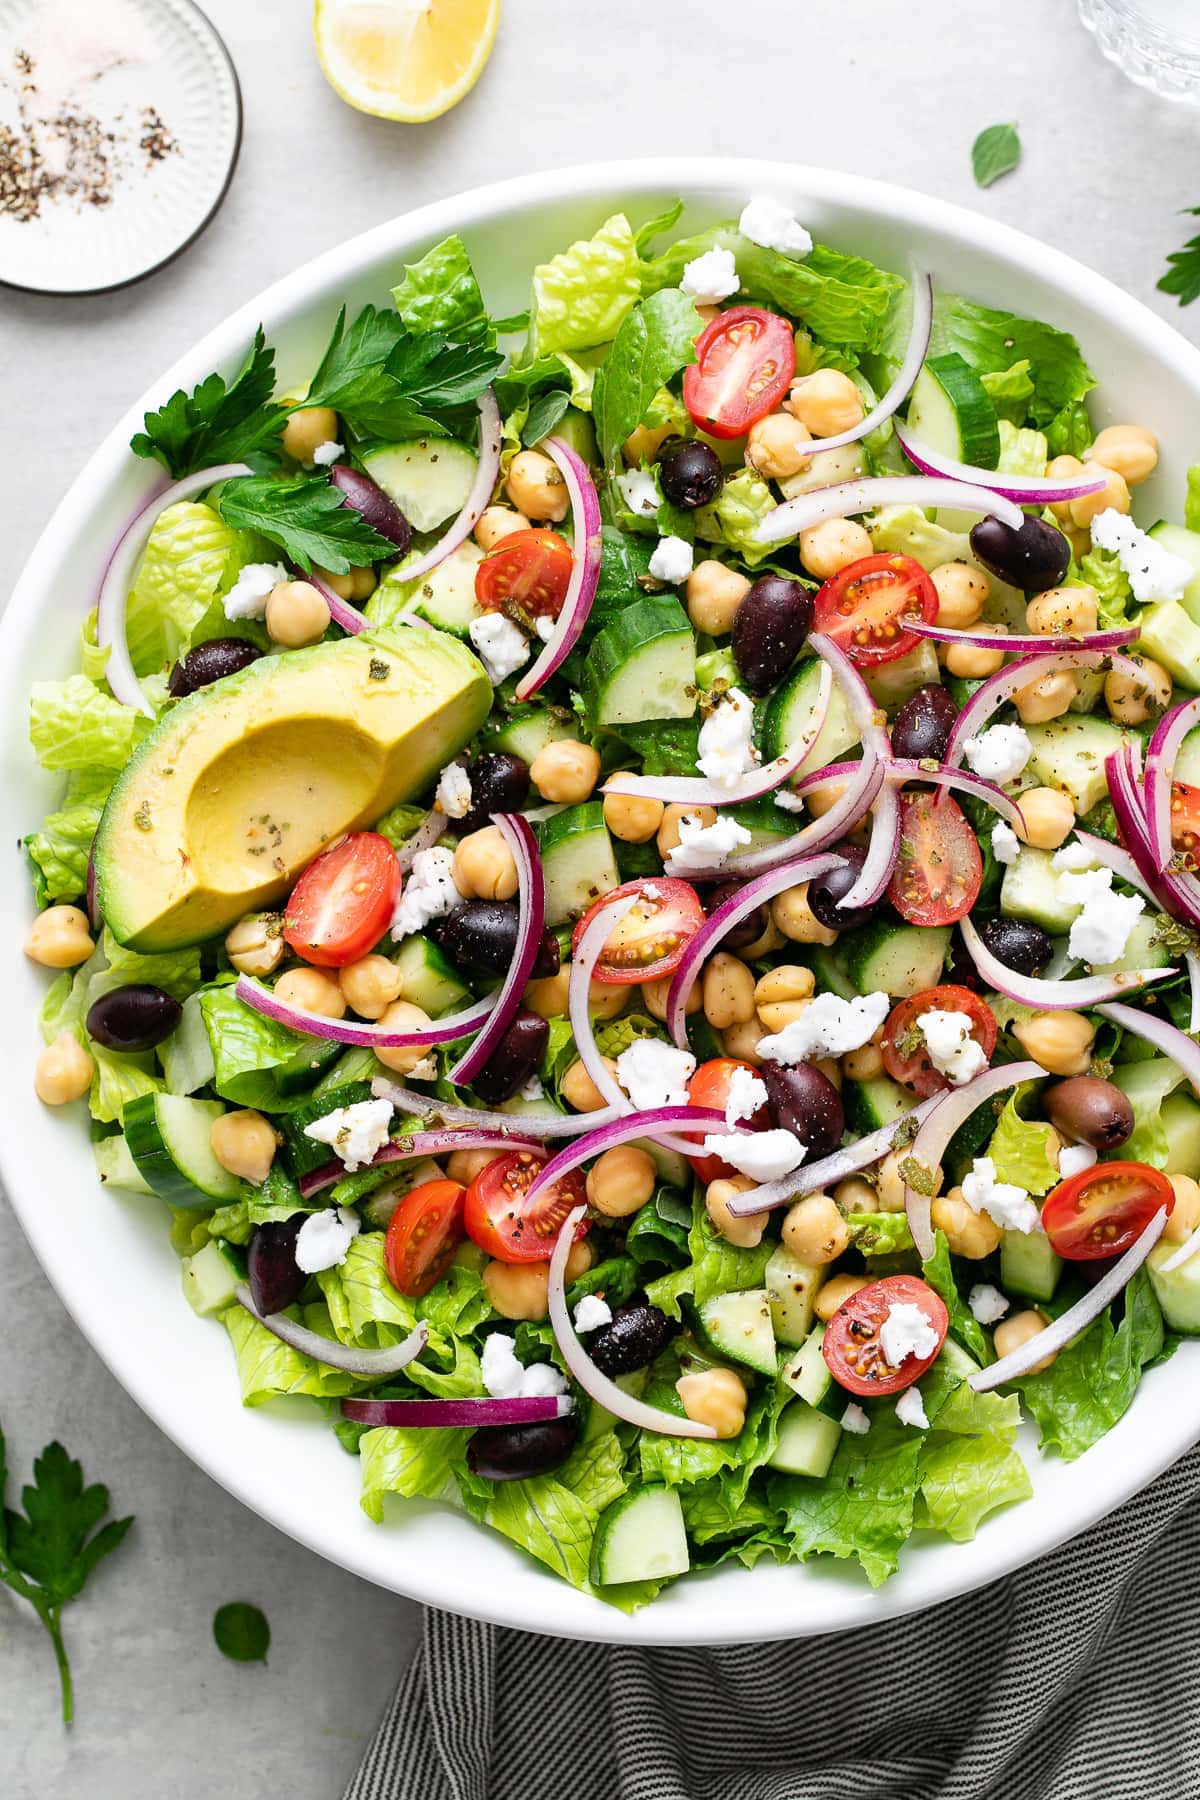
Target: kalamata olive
(482, 934)
(1016, 943)
(1034, 558)
(826, 890)
(690, 473)
(769, 629)
(377, 508)
(746, 931)
(1093, 1111)
(923, 725)
(514, 1060)
(633, 1338)
(131, 1018)
(210, 662)
(499, 783)
(804, 1101)
(515, 1452)
(275, 1280)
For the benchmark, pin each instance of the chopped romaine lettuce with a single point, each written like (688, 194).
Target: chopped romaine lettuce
(59, 851)
(1021, 1151)
(440, 293)
(864, 1506)
(191, 558)
(267, 1367)
(1022, 451)
(75, 725)
(1090, 1384)
(408, 1460)
(736, 514)
(654, 343)
(583, 296)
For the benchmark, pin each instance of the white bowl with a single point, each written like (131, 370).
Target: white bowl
(107, 1253)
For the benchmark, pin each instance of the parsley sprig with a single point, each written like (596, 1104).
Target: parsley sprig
(307, 517)
(218, 424)
(48, 1551)
(386, 381)
(1183, 268)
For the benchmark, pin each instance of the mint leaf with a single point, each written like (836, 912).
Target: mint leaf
(1183, 268)
(241, 1632)
(218, 424)
(307, 517)
(655, 342)
(995, 152)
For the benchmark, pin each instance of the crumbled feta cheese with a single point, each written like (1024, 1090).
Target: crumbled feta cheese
(856, 1420)
(650, 892)
(952, 1050)
(1072, 858)
(655, 1074)
(1073, 1159)
(324, 1238)
(710, 277)
(787, 801)
(747, 1093)
(506, 1378)
(1006, 845)
(987, 1303)
(454, 791)
(725, 747)
(247, 598)
(502, 646)
(828, 1026)
(1075, 887)
(532, 1089)
(763, 1155)
(1003, 1201)
(702, 847)
(428, 892)
(907, 1331)
(592, 1312)
(327, 453)
(999, 753)
(672, 560)
(542, 1381)
(1154, 573)
(910, 1409)
(775, 227)
(1102, 927)
(640, 493)
(355, 1132)
(545, 626)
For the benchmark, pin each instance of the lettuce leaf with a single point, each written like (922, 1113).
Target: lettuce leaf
(1091, 1383)
(1020, 1149)
(864, 1506)
(267, 1367)
(735, 515)
(717, 1267)
(583, 296)
(414, 1461)
(1191, 506)
(1022, 452)
(963, 1481)
(1009, 390)
(118, 1080)
(191, 558)
(939, 1273)
(59, 851)
(1069, 432)
(248, 1050)
(1102, 570)
(654, 343)
(907, 531)
(75, 725)
(993, 341)
(681, 1460)
(367, 1312)
(439, 292)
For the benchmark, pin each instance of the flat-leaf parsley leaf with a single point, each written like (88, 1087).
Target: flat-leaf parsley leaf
(384, 380)
(995, 152)
(218, 424)
(1183, 273)
(306, 517)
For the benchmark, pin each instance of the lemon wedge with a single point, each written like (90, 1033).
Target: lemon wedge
(404, 59)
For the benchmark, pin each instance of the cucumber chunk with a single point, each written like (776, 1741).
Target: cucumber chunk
(1177, 1292)
(527, 732)
(807, 1374)
(893, 683)
(1030, 891)
(642, 665)
(578, 863)
(168, 1137)
(789, 713)
(115, 1165)
(304, 1154)
(640, 1537)
(429, 479)
(210, 1279)
(1180, 1120)
(828, 968)
(445, 597)
(739, 1325)
(870, 1104)
(792, 1288)
(1069, 753)
(900, 960)
(806, 1441)
(430, 980)
(1181, 542)
(951, 411)
(1171, 635)
(1029, 1264)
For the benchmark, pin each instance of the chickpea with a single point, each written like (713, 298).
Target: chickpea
(831, 1069)
(968, 1233)
(890, 1183)
(668, 836)
(297, 614)
(775, 446)
(1064, 611)
(580, 1258)
(342, 585)
(1129, 449)
(1114, 493)
(644, 443)
(828, 548)
(796, 919)
(1064, 468)
(770, 941)
(365, 582)
(402, 1015)
(970, 663)
(313, 990)
(496, 522)
(715, 1397)
(255, 946)
(961, 592)
(306, 430)
(654, 995)
(728, 990)
(1011, 1334)
(59, 938)
(484, 866)
(370, 985)
(548, 995)
(782, 994)
(565, 770)
(464, 1165)
(826, 401)
(1132, 702)
(855, 1195)
(745, 1233)
(1049, 817)
(607, 999)
(63, 1071)
(835, 1294)
(631, 818)
(706, 315)
(580, 1091)
(1185, 1214)
(822, 799)
(865, 1064)
(245, 1144)
(518, 1290)
(815, 1231)
(536, 488)
(1047, 698)
(742, 1041)
(621, 1180)
(1060, 1041)
(714, 594)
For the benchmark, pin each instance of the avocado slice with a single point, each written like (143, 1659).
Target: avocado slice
(241, 784)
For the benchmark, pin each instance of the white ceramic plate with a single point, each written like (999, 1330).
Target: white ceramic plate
(108, 1255)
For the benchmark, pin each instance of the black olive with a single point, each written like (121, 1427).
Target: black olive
(824, 892)
(366, 496)
(132, 1018)
(690, 473)
(275, 1280)
(1016, 943)
(769, 629)
(482, 934)
(748, 930)
(633, 1337)
(1034, 558)
(515, 1059)
(515, 1452)
(923, 725)
(1094, 1111)
(499, 783)
(210, 662)
(805, 1102)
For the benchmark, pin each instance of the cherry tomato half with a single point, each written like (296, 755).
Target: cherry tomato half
(650, 940)
(496, 1217)
(939, 870)
(528, 571)
(424, 1232)
(709, 1086)
(343, 903)
(744, 361)
(852, 1347)
(1100, 1211)
(865, 607)
(1185, 819)
(905, 1056)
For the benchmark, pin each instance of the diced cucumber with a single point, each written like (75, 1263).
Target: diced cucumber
(527, 730)
(429, 479)
(955, 1362)
(1187, 763)
(831, 976)
(304, 1154)
(314, 1058)
(576, 428)
(806, 1441)
(789, 713)
(1069, 752)
(893, 683)
(716, 665)
(1030, 891)
(445, 597)
(792, 1288)
(870, 1104)
(578, 863)
(739, 1325)
(382, 1202)
(1180, 1120)
(807, 1374)
(430, 980)
(900, 960)
(1181, 542)
(642, 665)
(115, 1165)
(186, 1056)
(640, 1537)
(827, 468)
(1144, 949)
(168, 1137)
(673, 1168)
(211, 1278)
(951, 411)
(1029, 1264)
(1172, 636)
(1177, 1291)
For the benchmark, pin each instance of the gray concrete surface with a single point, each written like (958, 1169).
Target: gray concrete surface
(866, 85)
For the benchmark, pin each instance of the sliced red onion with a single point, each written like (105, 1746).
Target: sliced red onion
(584, 958)
(1178, 892)
(907, 770)
(1069, 1324)
(531, 923)
(1005, 682)
(842, 771)
(482, 489)
(598, 1386)
(539, 1125)
(728, 914)
(910, 368)
(117, 579)
(850, 497)
(830, 1169)
(430, 831)
(364, 1037)
(340, 611)
(527, 1409)
(1193, 968)
(95, 917)
(365, 497)
(1162, 1035)
(649, 1124)
(882, 851)
(422, 1143)
(1169, 734)
(585, 570)
(1083, 990)
(1026, 644)
(940, 1125)
(371, 1364)
(1028, 490)
(1111, 856)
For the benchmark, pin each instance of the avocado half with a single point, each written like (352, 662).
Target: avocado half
(240, 785)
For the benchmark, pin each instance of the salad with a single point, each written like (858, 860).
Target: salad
(629, 877)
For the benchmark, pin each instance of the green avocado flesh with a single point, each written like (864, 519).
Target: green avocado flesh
(240, 785)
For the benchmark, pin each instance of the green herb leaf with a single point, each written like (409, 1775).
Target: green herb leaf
(241, 1632)
(1183, 268)
(307, 517)
(218, 424)
(655, 342)
(545, 412)
(384, 379)
(995, 152)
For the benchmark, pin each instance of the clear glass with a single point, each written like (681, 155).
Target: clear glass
(1155, 42)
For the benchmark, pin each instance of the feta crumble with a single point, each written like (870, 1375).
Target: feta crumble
(910, 1409)
(324, 1238)
(710, 277)
(952, 1050)
(725, 747)
(545, 627)
(747, 1093)
(355, 1132)
(907, 1331)
(1154, 573)
(326, 454)
(592, 1312)
(502, 646)
(1073, 1159)
(828, 1026)
(672, 560)
(506, 1378)
(1102, 928)
(454, 791)
(987, 1303)
(1072, 858)
(763, 1155)
(655, 1074)
(787, 801)
(428, 892)
(856, 1420)
(1006, 845)
(775, 227)
(1008, 1205)
(247, 598)
(640, 493)
(532, 1089)
(702, 847)
(999, 753)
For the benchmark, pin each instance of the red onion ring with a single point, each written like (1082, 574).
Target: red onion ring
(419, 1143)
(1026, 644)
(910, 368)
(585, 569)
(1169, 734)
(364, 1037)
(1178, 891)
(650, 1123)
(905, 770)
(1005, 682)
(430, 831)
(829, 1169)
(940, 1125)
(586, 955)
(1162, 1035)
(340, 611)
(1029, 990)
(882, 850)
(1111, 856)
(531, 923)
(482, 489)
(526, 1409)
(371, 1364)
(1028, 490)
(539, 1125)
(849, 497)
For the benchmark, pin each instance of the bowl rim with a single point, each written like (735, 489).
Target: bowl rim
(556, 1608)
